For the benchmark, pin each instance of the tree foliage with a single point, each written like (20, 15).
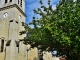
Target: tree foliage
(57, 29)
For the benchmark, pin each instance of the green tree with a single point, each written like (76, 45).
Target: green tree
(57, 29)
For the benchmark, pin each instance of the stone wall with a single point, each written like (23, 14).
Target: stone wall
(2, 56)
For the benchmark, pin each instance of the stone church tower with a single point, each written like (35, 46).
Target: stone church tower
(12, 17)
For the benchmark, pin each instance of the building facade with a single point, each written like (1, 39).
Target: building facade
(11, 18)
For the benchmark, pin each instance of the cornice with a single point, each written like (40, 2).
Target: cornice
(11, 6)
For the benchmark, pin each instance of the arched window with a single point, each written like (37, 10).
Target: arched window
(5, 1)
(2, 45)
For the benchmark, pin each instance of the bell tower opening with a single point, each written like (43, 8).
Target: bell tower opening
(5, 1)
(2, 45)
(21, 3)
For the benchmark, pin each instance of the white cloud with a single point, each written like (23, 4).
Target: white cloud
(34, 4)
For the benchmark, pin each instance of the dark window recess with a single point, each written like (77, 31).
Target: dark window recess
(2, 45)
(10, 0)
(11, 21)
(16, 22)
(22, 23)
(8, 43)
(18, 1)
(18, 49)
(21, 3)
(5, 1)
(17, 45)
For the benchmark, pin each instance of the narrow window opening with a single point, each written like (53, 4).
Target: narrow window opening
(21, 3)
(5, 1)
(16, 22)
(18, 49)
(17, 45)
(10, 0)
(18, 1)
(2, 45)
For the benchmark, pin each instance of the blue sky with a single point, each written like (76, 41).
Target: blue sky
(34, 4)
